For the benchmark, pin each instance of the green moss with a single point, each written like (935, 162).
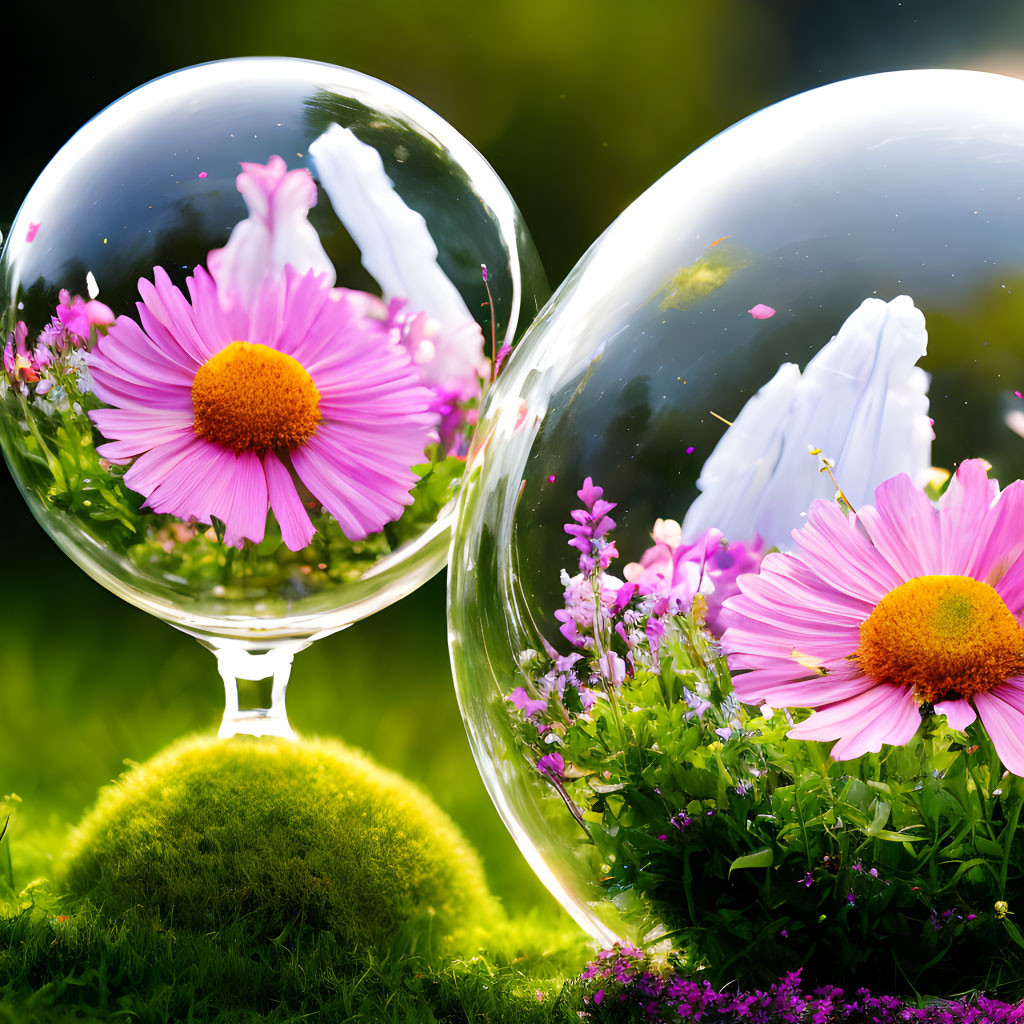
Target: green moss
(84, 967)
(267, 835)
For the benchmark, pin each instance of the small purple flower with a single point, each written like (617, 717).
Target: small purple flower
(808, 879)
(590, 527)
(613, 668)
(565, 663)
(525, 703)
(552, 765)
(655, 630)
(697, 704)
(681, 821)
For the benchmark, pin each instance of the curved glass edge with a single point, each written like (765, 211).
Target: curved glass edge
(405, 569)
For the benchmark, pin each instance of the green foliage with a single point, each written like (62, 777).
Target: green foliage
(758, 854)
(263, 836)
(82, 965)
(51, 440)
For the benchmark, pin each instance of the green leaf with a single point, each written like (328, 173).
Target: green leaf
(987, 846)
(757, 859)
(880, 817)
(1013, 931)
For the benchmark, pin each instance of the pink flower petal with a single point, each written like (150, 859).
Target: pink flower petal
(1004, 723)
(296, 527)
(247, 517)
(1001, 537)
(962, 512)
(1011, 589)
(787, 684)
(887, 713)
(959, 713)
(836, 549)
(904, 528)
(761, 311)
(150, 468)
(196, 486)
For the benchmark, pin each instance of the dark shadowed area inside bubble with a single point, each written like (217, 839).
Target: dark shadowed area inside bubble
(160, 191)
(932, 209)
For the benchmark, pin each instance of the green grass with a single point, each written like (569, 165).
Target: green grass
(247, 880)
(90, 968)
(87, 682)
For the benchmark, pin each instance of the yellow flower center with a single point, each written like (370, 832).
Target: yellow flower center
(253, 398)
(946, 636)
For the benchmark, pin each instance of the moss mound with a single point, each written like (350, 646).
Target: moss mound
(269, 835)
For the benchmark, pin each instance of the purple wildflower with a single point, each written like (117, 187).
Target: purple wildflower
(577, 617)
(613, 668)
(590, 528)
(660, 994)
(552, 765)
(527, 704)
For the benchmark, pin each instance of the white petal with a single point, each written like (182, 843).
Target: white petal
(394, 243)
(737, 472)
(861, 400)
(276, 233)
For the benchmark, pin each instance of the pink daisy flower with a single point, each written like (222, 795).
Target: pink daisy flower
(266, 405)
(900, 606)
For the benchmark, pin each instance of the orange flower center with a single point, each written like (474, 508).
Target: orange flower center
(946, 636)
(253, 398)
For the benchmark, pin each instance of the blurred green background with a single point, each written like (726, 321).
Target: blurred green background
(579, 106)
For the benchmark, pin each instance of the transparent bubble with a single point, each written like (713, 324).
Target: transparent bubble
(248, 331)
(826, 298)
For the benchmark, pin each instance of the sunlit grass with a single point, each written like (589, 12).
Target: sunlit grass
(119, 685)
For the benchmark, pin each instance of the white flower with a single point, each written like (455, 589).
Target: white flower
(861, 400)
(396, 248)
(276, 233)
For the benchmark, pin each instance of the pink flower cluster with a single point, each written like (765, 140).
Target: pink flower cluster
(673, 573)
(71, 327)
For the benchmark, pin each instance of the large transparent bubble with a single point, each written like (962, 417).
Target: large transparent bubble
(247, 332)
(805, 326)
